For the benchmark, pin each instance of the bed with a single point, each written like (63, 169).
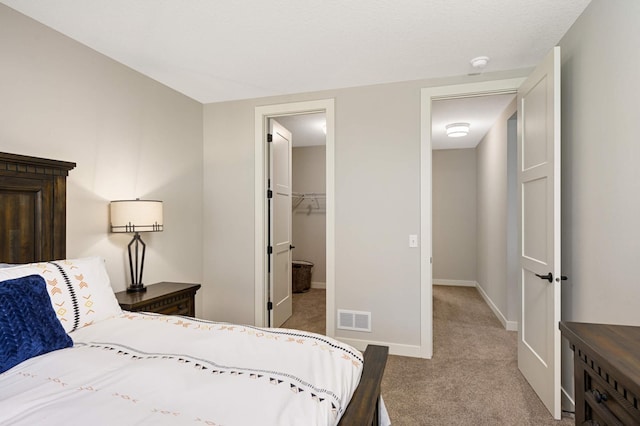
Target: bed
(92, 362)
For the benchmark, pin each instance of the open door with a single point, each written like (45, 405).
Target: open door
(279, 201)
(539, 228)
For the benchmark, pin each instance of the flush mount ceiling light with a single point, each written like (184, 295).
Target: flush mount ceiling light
(457, 130)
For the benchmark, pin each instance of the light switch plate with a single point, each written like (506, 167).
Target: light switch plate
(413, 240)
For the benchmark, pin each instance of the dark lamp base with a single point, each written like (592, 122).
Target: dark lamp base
(138, 288)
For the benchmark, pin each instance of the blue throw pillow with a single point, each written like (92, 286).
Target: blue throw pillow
(28, 325)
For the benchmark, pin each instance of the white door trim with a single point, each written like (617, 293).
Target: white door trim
(427, 96)
(261, 115)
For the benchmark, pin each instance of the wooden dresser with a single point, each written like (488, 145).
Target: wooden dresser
(163, 298)
(606, 372)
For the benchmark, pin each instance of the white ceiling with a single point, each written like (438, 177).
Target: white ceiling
(224, 50)
(306, 129)
(480, 112)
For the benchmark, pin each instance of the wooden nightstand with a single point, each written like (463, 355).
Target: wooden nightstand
(163, 298)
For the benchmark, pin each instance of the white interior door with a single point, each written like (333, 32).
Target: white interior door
(280, 224)
(539, 228)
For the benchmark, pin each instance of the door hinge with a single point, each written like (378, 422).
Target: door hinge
(269, 193)
(269, 306)
(269, 250)
(269, 137)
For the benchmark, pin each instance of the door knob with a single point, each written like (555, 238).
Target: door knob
(598, 396)
(291, 247)
(549, 277)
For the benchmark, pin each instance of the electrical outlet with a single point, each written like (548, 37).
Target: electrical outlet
(413, 240)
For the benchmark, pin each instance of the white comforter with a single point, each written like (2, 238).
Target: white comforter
(156, 370)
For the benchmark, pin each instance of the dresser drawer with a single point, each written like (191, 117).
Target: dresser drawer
(603, 407)
(606, 401)
(166, 298)
(606, 372)
(182, 306)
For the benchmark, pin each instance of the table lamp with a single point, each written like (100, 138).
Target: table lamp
(135, 216)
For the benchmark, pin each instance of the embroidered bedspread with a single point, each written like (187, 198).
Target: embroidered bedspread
(155, 369)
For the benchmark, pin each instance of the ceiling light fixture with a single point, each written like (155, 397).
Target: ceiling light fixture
(457, 130)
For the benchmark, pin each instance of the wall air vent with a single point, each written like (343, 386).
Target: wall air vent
(354, 320)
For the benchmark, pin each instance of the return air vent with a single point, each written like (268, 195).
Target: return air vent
(354, 320)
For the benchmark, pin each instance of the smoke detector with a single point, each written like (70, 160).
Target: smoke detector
(480, 62)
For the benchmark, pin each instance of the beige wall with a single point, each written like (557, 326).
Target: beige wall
(377, 175)
(129, 135)
(454, 214)
(377, 199)
(600, 173)
(492, 187)
(309, 218)
(134, 137)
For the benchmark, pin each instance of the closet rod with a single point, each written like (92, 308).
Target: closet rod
(308, 194)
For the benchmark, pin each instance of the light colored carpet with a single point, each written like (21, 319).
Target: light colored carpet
(309, 311)
(473, 377)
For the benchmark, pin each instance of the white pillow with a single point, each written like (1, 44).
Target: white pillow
(79, 289)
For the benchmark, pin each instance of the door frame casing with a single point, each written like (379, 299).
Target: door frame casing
(427, 96)
(262, 114)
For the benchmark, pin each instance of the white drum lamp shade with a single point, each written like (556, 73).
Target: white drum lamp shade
(136, 216)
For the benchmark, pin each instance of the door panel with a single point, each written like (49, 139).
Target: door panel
(533, 334)
(534, 194)
(535, 106)
(539, 229)
(280, 293)
(280, 288)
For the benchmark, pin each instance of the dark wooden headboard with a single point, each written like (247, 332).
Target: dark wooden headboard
(33, 208)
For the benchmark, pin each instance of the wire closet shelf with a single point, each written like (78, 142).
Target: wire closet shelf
(314, 198)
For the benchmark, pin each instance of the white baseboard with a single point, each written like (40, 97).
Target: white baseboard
(511, 325)
(415, 350)
(318, 284)
(460, 283)
(508, 325)
(394, 348)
